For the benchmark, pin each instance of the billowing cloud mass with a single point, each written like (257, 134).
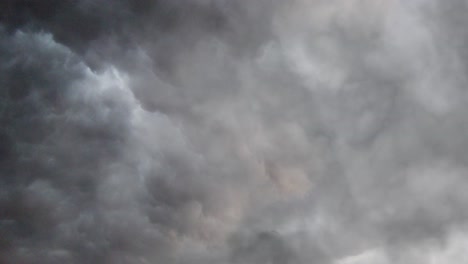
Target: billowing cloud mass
(234, 131)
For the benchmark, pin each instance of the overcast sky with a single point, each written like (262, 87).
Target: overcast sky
(234, 131)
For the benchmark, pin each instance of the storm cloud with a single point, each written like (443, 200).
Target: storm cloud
(233, 131)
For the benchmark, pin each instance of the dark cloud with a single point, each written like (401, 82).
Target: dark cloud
(213, 131)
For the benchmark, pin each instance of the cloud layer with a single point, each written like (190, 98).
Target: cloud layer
(215, 131)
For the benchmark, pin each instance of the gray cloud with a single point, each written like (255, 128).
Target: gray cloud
(212, 131)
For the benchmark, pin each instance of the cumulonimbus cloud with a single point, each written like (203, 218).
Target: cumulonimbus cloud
(214, 131)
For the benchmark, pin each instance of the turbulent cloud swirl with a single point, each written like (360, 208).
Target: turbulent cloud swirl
(233, 131)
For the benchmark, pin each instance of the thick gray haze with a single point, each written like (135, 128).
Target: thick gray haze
(234, 131)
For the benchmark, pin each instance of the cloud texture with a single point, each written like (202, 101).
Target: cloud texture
(233, 132)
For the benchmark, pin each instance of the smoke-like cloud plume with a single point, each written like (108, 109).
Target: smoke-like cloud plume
(233, 131)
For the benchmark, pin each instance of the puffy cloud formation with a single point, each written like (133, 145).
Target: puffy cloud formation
(233, 131)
